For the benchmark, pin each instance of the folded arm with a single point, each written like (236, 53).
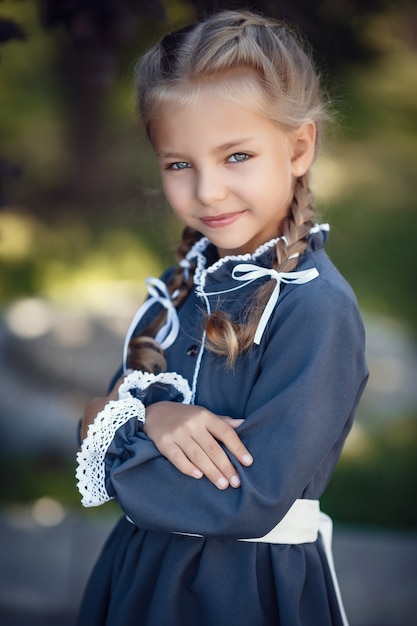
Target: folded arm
(298, 415)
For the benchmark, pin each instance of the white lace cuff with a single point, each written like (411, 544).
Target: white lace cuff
(145, 380)
(90, 472)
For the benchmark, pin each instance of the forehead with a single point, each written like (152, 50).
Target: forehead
(207, 121)
(241, 88)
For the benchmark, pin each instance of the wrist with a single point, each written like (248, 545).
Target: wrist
(151, 411)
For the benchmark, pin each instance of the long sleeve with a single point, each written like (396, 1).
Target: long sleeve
(298, 413)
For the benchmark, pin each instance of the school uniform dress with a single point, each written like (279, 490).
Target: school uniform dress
(186, 553)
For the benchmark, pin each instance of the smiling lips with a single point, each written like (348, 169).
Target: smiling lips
(218, 221)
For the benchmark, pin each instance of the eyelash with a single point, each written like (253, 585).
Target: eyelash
(174, 166)
(171, 166)
(238, 154)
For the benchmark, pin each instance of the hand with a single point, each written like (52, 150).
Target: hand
(96, 405)
(188, 436)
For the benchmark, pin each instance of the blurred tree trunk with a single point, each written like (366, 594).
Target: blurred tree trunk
(96, 33)
(9, 31)
(84, 100)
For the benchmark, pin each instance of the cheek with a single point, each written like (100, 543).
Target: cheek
(171, 191)
(176, 199)
(176, 188)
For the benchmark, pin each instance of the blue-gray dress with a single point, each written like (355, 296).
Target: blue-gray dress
(297, 389)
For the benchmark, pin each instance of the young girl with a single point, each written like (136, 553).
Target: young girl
(246, 362)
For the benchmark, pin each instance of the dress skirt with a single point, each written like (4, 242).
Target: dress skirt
(145, 578)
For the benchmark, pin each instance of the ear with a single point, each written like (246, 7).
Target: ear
(303, 144)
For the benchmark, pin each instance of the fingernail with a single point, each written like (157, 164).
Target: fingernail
(197, 473)
(235, 481)
(247, 459)
(222, 483)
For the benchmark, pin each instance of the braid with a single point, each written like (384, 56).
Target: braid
(296, 227)
(181, 281)
(189, 238)
(145, 353)
(228, 338)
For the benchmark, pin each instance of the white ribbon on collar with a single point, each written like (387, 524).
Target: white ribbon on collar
(168, 333)
(248, 273)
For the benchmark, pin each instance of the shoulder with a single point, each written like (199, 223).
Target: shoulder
(318, 323)
(329, 285)
(326, 304)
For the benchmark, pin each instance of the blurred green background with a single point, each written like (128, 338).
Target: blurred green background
(83, 222)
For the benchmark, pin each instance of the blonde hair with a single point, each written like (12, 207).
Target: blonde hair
(257, 63)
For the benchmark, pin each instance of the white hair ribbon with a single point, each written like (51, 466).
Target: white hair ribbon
(248, 273)
(168, 333)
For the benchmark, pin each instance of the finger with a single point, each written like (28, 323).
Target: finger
(190, 451)
(219, 465)
(225, 432)
(177, 457)
(205, 455)
(234, 423)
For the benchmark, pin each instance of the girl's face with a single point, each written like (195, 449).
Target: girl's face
(229, 172)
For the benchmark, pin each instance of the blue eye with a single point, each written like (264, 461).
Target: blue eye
(238, 157)
(179, 165)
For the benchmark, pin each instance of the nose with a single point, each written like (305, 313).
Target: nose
(210, 186)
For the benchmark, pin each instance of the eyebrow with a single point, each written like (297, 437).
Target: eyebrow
(168, 155)
(222, 148)
(233, 144)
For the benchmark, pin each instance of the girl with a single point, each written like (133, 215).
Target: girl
(246, 363)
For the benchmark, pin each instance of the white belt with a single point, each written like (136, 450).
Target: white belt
(302, 524)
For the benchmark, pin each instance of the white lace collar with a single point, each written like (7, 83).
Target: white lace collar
(202, 271)
(244, 269)
(197, 255)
